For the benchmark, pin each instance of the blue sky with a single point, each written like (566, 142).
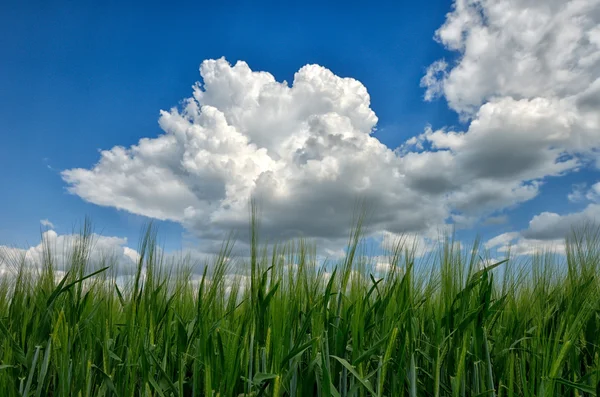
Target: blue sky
(77, 78)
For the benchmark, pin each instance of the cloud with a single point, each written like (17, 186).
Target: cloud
(548, 230)
(518, 49)
(527, 79)
(528, 75)
(496, 220)
(501, 240)
(47, 223)
(418, 245)
(104, 251)
(577, 193)
(594, 193)
(526, 82)
(518, 245)
(305, 151)
(550, 225)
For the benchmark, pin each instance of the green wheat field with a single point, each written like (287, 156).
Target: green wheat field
(452, 324)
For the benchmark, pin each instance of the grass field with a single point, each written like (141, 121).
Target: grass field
(445, 326)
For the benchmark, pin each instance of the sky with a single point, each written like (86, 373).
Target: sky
(478, 116)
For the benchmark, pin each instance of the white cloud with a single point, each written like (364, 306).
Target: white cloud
(577, 193)
(434, 80)
(305, 151)
(528, 74)
(382, 266)
(518, 245)
(47, 223)
(104, 251)
(527, 79)
(132, 254)
(417, 245)
(594, 193)
(550, 225)
(501, 240)
(546, 231)
(519, 49)
(580, 192)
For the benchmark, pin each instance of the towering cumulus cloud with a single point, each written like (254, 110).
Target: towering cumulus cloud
(305, 151)
(525, 81)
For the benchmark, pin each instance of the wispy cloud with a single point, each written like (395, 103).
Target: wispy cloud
(47, 223)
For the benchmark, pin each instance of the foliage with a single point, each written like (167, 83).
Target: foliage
(445, 327)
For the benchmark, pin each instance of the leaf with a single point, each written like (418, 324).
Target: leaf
(59, 290)
(329, 389)
(181, 335)
(107, 380)
(261, 377)
(579, 386)
(371, 351)
(351, 369)
(163, 373)
(120, 295)
(114, 356)
(488, 269)
(296, 351)
(44, 369)
(156, 386)
(270, 295)
(31, 371)
(19, 354)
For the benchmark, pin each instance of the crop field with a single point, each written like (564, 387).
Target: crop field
(450, 325)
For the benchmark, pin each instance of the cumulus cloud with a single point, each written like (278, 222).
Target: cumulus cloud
(104, 250)
(533, 65)
(519, 49)
(305, 151)
(548, 230)
(518, 245)
(527, 78)
(526, 82)
(553, 226)
(550, 225)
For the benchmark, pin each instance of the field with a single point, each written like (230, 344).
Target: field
(444, 326)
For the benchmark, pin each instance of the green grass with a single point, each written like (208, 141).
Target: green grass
(435, 327)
